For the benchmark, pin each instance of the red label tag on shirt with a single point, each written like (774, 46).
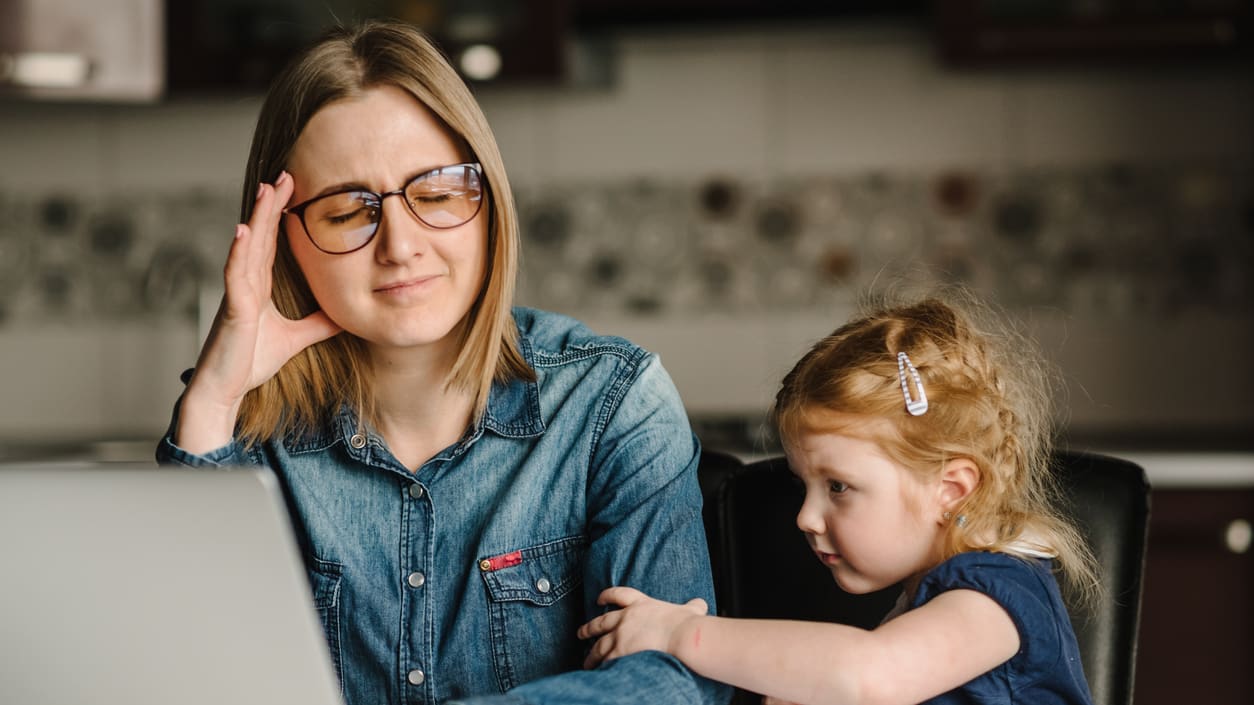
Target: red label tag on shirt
(504, 560)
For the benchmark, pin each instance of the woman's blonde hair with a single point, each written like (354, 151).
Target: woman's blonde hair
(343, 64)
(989, 398)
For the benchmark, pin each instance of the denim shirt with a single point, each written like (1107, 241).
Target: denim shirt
(470, 576)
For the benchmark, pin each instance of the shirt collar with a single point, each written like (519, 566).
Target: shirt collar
(513, 407)
(513, 411)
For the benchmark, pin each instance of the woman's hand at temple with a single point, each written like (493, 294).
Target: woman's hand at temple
(643, 624)
(250, 340)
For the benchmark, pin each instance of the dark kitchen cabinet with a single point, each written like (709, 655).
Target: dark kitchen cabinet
(233, 46)
(1197, 618)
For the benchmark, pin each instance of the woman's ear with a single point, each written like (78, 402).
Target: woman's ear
(958, 480)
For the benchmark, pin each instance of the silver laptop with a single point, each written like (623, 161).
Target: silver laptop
(139, 585)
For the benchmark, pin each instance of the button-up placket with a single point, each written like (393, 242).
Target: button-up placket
(417, 558)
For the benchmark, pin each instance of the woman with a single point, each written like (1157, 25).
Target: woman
(465, 478)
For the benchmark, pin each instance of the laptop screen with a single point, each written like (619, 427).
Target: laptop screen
(144, 585)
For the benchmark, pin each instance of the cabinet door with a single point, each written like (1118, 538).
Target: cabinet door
(1197, 618)
(72, 50)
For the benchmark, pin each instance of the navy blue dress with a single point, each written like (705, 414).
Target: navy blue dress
(1047, 668)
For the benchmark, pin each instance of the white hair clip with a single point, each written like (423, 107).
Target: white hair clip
(916, 404)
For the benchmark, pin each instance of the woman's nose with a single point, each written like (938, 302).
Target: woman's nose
(401, 235)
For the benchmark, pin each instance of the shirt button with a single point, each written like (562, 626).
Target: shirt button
(357, 441)
(543, 585)
(416, 491)
(485, 565)
(416, 579)
(416, 677)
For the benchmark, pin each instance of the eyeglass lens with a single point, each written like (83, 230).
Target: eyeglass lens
(443, 198)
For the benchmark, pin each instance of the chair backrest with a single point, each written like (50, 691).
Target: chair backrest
(764, 569)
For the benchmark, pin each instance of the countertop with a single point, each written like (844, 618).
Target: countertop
(1164, 468)
(1179, 470)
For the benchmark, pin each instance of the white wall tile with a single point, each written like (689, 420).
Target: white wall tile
(675, 109)
(185, 144)
(51, 148)
(103, 379)
(519, 120)
(52, 379)
(881, 102)
(1136, 115)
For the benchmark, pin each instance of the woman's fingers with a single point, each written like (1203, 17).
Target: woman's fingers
(236, 270)
(262, 229)
(280, 194)
(311, 329)
(254, 253)
(248, 263)
(250, 339)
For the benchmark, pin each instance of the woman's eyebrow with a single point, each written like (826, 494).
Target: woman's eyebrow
(359, 186)
(342, 187)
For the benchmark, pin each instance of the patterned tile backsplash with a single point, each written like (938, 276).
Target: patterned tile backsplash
(1116, 241)
(116, 257)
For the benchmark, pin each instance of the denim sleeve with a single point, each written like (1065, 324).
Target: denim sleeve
(232, 454)
(646, 531)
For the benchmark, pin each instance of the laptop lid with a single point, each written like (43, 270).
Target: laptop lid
(140, 585)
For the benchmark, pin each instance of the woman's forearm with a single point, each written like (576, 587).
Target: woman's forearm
(203, 426)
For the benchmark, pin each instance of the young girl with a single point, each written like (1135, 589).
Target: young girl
(922, 444)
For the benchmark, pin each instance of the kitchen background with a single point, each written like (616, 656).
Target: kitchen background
(719, 188)
(720, 192)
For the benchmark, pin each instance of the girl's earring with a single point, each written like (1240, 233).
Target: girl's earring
(947, 515)
(961, 521)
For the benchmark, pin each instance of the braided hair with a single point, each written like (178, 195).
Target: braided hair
(989, 400)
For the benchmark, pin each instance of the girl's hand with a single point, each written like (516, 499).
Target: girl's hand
(768, 700)
(643, 624)
(250, 340)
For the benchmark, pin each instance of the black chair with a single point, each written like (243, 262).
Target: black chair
(764, 569)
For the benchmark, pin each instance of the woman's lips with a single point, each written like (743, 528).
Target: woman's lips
(408, 286)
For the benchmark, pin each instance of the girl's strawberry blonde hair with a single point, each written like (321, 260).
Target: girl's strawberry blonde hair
(989, 395)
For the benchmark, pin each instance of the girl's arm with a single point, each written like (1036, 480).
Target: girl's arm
(927, 651)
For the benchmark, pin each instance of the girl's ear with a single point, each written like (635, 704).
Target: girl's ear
(958, 480)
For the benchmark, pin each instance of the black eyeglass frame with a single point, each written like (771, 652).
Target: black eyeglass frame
(298, 210)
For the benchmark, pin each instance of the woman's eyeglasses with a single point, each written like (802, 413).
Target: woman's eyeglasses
(339, 223)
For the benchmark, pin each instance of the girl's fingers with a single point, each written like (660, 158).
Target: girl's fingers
(621, 596)
(600, 625)
(599, 652)
(588, 629)
(697, 605)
